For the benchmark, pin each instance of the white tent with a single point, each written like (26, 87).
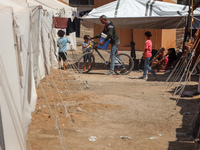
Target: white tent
(27, 53)
(141, 14)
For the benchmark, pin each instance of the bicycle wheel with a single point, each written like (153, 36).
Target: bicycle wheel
(86, 63)
(123, 64)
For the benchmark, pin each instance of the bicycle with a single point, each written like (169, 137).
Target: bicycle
(123, 62)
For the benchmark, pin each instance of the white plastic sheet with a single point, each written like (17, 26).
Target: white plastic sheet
(141, 14)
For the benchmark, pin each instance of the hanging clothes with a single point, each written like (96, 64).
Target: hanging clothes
(74, 26)
(77, 25)
(75, 13)
(70, 27)
(82, 13)
(59, 22)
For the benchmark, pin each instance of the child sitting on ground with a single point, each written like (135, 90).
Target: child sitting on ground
(62, 44)
(160, 61)
(86, 48)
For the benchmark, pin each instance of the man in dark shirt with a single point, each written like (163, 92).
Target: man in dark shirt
(110, 31)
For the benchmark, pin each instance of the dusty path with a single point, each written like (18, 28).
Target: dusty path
(114, 106)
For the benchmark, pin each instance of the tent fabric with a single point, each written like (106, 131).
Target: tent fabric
(27, 53)
(10, 97)
(140, 14)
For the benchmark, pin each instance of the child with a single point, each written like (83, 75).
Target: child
(86, 48)
(62, 44)
(160, 61)
(171, 55)
(147, 55)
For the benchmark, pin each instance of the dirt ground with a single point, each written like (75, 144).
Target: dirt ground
(107, 107)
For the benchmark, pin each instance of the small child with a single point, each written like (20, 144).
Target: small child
(159, 62)
(86, 48)
(62, 44)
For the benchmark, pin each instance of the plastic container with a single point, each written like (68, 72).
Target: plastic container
(105, 45)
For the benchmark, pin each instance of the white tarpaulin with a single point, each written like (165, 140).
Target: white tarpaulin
(142, 14)
(27, 42)
(10, 89)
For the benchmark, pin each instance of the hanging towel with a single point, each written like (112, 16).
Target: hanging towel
(59, 22)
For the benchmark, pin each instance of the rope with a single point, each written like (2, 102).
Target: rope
(46, 98)
(188, 76)
(66, 57)
(185, 72)
(58, 129)
(167, 39)
(65, 84)
(57, 88)
(174, 76)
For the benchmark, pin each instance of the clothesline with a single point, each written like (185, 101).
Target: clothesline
(68, 24)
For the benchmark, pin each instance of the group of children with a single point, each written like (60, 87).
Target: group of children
(159, 62)
(62, 52)
(162, 62)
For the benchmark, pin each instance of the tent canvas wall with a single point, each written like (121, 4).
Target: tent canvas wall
(27, 42)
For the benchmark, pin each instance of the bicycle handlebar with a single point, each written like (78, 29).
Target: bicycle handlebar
(93, 41)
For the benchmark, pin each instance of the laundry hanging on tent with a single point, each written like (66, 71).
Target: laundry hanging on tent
(82, 13)
(73, 26)
(75, 13)
(77, 23)
(70, 27)
(59, 22)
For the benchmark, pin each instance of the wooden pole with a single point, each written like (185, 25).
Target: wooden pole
(132, 34)
(189, 24)
(191, 19)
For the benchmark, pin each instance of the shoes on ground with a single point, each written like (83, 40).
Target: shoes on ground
(142, 78)
(110, 72)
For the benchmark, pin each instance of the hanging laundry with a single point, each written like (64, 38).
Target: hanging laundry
(77, 24)
(75, 13)
(70, 27)
(82, 13)
(59, 22)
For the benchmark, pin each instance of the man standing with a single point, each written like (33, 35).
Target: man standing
(110, 31)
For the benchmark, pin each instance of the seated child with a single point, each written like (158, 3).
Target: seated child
(62, 44)
(86, 48)
(171, 55)
(160, 61)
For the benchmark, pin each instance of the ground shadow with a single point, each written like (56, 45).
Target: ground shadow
(188, 88)
(186, 133)
(162, 77)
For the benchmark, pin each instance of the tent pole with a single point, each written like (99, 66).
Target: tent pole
(199, 85)
(132, 34)
(191, 20)
(185, 34)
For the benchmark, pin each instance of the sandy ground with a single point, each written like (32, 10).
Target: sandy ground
(107, 107)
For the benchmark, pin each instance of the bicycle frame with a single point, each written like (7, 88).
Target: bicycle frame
(122, 66)
(95, 48)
